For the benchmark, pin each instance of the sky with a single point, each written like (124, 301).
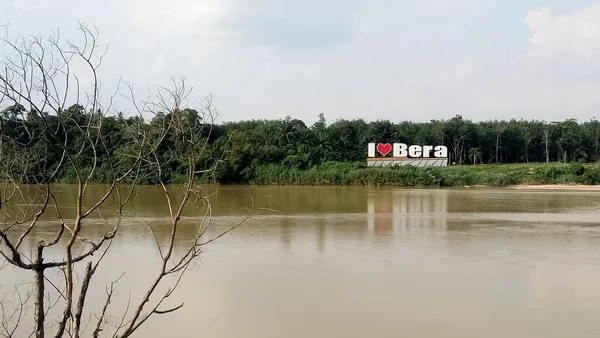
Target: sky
(373, 59)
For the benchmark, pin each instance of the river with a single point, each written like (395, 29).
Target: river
(373, 262)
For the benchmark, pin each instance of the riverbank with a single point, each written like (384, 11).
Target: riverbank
(521, 176)
(578, 187)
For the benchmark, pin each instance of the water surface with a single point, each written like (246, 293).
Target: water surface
(367, 262)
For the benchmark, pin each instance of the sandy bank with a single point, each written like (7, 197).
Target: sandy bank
(557, 187)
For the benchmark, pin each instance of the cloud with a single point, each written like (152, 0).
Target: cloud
(176, 17)
(351, 58)
(576, 33)
(272, 23)
(443, 4)
(24, 5)
(175, 12)
(563, 50)
(291, 24)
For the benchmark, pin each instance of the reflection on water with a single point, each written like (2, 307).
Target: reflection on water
(359, 262)
(396, 211)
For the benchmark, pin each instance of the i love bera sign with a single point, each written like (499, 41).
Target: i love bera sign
(403, 154)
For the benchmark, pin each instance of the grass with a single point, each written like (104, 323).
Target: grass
(353, 174)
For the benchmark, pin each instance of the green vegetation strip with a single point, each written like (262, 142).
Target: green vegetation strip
(489, 175)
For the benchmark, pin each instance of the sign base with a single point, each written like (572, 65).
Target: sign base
(416, 162)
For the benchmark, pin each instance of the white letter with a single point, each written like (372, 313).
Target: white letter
(371, 150)
(427, 151)
(414, 151)
(400, 150)
(441, 151)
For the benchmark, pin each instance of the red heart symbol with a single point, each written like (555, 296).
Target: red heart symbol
(384, 149)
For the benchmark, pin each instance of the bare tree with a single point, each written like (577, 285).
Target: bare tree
(546, 142)
(526, 135)
(37, 82)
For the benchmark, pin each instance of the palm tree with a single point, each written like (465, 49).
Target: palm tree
(321, 146)
(474, 155)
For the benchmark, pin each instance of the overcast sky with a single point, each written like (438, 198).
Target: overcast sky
(372, 59)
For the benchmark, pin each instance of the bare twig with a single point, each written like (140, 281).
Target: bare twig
(41, 137)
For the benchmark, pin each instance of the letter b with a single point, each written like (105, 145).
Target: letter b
(400, 150)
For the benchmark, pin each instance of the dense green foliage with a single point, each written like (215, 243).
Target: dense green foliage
(358, 173)
(287, 151)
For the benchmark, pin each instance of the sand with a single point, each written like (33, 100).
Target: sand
(580, 187)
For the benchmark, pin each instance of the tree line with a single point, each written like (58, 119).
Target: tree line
(239, 148)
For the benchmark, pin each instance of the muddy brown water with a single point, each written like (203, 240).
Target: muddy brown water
(368, 262)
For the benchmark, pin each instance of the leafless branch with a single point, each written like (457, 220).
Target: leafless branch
(38, 80)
